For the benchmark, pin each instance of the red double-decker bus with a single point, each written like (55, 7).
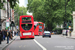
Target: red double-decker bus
(38, 28)
(26, 25)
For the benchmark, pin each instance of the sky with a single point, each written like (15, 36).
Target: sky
(24, 3)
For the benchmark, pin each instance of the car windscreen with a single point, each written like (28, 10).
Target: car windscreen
(46, 32)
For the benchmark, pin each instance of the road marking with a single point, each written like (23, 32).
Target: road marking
(7, 48)
(47, 42)
(40, 45)
(24, 45)
(20, 46)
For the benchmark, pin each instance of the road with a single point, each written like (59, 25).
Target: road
(56, 42)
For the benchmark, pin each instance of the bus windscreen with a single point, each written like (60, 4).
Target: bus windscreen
(40, 30)
(40, 27)
(26, 26)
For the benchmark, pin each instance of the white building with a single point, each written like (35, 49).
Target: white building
(3, 15)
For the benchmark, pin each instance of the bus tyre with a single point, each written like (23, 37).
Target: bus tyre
(21, 39)
(43, 36)
(32, 38)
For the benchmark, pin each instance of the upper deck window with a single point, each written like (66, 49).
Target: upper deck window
(26, 18)
(26, 26)
(39, 24)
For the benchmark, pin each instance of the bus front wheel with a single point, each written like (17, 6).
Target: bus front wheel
(32, 38)
(21, 39)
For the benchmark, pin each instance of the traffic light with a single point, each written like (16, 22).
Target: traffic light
(12, 24)
(69, 23)
(64, 25)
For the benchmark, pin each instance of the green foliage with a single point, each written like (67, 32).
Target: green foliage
(58, 30)
(12, 3)
(1, 4)
(51, 12)
(18, 12)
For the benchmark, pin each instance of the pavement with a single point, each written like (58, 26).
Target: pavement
(72, 37)
(4, 43)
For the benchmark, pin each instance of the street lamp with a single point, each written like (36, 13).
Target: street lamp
(72, 5)
(10, 14)
(65, 15)
(22, 12)
(17, 19)
(7, 10)
(65, 8)
(0, 19)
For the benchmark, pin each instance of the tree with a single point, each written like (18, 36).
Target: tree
(18, 12)
(12, 3)
(1, 3)
(51, 12)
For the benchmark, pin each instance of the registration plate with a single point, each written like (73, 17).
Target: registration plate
(27, 33)
(27, 37)
(47, 34)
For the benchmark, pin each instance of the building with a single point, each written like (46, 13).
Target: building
(5, 15)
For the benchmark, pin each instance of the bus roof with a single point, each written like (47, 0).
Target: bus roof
(35, 23)
(26, 15)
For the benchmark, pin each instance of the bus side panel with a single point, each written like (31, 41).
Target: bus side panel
(36, 31)
(41, 33)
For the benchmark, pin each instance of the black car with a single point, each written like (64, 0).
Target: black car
(46, 34)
